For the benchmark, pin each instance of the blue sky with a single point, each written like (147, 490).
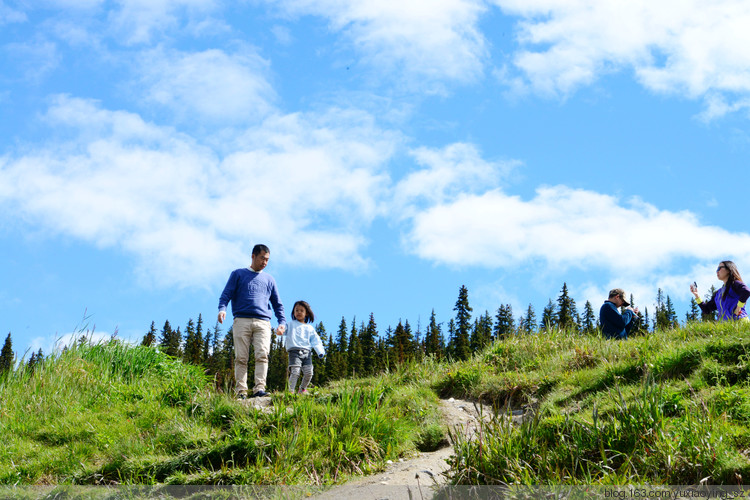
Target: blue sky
(387, 152)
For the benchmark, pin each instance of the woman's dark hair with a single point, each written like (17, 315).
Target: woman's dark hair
(309, 316)
(734, 275)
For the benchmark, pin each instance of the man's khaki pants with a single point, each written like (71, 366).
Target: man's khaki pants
(255, 332)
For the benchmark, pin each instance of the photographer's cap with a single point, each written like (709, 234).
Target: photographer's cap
(619, 292)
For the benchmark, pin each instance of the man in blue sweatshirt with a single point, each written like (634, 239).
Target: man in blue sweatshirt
(614, 324)
(252, 293)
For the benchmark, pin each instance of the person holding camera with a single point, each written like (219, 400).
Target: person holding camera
(614, 324)
(729, 300)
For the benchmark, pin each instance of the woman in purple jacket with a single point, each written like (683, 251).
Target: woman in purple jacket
(729, 300)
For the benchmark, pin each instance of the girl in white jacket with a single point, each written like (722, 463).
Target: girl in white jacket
(300, 340)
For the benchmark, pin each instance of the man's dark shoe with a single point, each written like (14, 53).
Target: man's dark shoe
(259, 394)
(241, 396)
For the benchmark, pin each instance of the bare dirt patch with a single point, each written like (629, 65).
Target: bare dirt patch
(415, 477)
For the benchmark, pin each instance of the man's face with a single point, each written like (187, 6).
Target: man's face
(260, 261)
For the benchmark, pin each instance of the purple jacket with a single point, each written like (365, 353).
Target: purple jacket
(737, 292)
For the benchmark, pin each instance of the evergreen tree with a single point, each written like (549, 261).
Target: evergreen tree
(333, 369)
(588, 323)
(504, 322)
(666, 317)
(368, 336)
(339, 355)
(150, 337)
(402, 343)
(206, 343)
(391, 359)
(640, 324)
(548, 317)
(7, 358)
(319, 372)
(225, 362)
(35, 360)
(193, 345)
(528, 323)
(409, 341)
(214, 360)
(177, 342)
(567, 316)
(461, 349)
(170, 340)
(355, 363)
(694, 313)
(31, 363)
(381, 359)
(433, 344)
(417, 344)
(278, 360)
(343, 345)
(671, 315)
(481, 335)
(712, 315)
(449, 348)
(166, 335)
(661, 316)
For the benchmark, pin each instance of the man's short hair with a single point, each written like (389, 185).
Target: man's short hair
(260, 248)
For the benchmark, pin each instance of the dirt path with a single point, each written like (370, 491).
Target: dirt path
(413, 478)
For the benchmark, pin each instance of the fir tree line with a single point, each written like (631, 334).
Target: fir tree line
(358, 349)
(8, 358)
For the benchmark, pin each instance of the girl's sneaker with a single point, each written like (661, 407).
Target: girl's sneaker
(304, 392)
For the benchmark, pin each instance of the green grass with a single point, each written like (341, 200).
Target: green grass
(668, 408)
(116, 414)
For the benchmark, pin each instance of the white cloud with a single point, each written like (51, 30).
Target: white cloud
(307, 185)
(221, 87)
(425, 41)
(36, 59)
(445, 173)
(689, 47)
(9, 15)
(71, 4)
(566, 228)
(717, 106)
(490, 296)
(283, 34)
(138, 21)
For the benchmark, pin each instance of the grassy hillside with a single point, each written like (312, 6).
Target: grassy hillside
(669, 408)
(115, 414)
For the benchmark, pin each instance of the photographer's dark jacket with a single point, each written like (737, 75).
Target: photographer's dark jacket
(614, 324)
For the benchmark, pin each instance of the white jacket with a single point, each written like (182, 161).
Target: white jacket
(302, 336)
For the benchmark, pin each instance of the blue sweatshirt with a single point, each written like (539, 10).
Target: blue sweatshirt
(250, 294)
(614, 324)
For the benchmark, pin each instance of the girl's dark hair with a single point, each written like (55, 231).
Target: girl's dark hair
(309, 316)
(734, 275)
